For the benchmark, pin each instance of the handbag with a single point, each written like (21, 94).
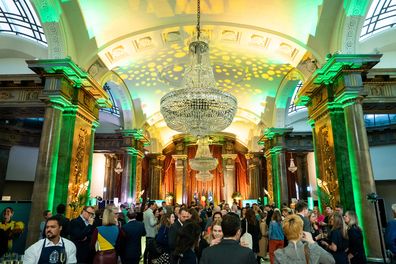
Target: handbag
(247, 238)
(105, 257)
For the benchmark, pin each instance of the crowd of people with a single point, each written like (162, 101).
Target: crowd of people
(194, 234)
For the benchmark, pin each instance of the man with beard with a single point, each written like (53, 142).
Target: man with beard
(183, 216)
(53, 248)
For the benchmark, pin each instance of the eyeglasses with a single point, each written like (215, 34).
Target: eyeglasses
(90, 213)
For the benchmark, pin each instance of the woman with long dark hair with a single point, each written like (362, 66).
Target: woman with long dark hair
(253, 228)
(355, 252)
(186, 242)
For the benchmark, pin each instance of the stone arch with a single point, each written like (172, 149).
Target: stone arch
(283, 96)
(350, 23)
(123, 96)
(53, 25)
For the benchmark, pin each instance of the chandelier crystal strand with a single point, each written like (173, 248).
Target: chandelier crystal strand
(198, 108)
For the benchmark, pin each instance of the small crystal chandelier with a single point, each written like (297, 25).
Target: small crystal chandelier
(292, 168)
(118, 169)
(203, 161)
(204, 176)
(198, 108)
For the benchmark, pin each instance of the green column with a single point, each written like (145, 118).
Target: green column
(65, 156)
(128, 181)
(343, 169)
(279, 176)
(362, 174)
(93, 130)
(333, 96)
(47, 164)
(274, 144)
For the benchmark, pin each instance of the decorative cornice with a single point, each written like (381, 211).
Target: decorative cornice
(79, 78)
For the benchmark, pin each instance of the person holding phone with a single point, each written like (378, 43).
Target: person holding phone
(302, 248)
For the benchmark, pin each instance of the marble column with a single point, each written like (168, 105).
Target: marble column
(362, 173)
(160, 172)
(229, 176)
(74, 100)
(180, 178)
(108, 177)
(269, 192)
(333, 96)
(46, 170)
(274, 144)
(133, 145)
(128, 181)
(90, 159)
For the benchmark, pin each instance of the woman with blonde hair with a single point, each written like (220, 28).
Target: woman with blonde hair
(213, 237)
(301, 248)
(106, 239)
(355, 252)
(337, 239)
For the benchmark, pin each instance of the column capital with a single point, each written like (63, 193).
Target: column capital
(249, 156)
(339, 80)
(161, 157)
(274, 137)
(132, 151)
(179, 157)
(229, 156)
(78, 78)
(134, 138)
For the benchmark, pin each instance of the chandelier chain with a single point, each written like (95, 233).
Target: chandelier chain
(198, 18)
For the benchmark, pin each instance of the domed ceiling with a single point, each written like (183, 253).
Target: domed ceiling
(253, 46)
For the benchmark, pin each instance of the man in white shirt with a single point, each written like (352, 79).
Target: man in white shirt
(150, 223)
(53, 248)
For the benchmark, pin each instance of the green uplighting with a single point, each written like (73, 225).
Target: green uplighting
(356, 7)
(89, 172)
(48, 13)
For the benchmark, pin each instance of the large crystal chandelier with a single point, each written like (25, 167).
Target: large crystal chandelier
(198, 108)
(203, 161)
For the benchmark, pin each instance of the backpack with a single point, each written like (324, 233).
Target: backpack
(247, 238)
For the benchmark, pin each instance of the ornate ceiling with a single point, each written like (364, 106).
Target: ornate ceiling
(255, 46)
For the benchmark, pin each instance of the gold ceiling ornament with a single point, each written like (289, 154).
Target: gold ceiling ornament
(199, 107)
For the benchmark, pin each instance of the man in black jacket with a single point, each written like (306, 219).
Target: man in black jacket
(64, 221)
(176, 226)
(229, 250)
(133, 230)
(81, 230)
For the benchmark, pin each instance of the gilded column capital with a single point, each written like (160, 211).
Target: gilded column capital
(229, 156)
(161, 157)
(249, 156)
(179, 157)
